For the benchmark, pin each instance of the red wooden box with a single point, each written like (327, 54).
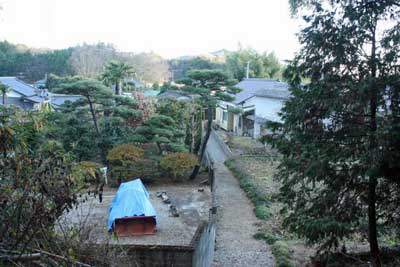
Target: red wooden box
(135, 225)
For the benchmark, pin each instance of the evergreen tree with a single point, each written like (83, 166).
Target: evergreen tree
(108, 113)
(163, 131)
(340, 135)
(210, 86)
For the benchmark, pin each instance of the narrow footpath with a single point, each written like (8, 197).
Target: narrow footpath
(236, 222)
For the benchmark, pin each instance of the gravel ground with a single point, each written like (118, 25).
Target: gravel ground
(193, 207)
(236, 223)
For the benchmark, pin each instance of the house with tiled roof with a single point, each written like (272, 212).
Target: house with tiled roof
(30, 98)
(259, 101)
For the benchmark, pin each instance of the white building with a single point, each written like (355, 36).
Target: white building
(259, 101)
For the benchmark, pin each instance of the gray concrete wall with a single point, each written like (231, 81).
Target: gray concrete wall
(224, 146)
(204, 251)
(204, 245)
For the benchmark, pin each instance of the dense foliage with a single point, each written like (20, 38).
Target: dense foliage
(234, 63)
(84, 60)
(115, 72)
(209, 87)
(162, 131)
(107, 113)
(39, 181)
(187, 115)
(177, 163)
(32, 65)
(340, 135)
(127, 162)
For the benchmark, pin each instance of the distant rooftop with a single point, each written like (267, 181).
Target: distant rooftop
(28, 93)
(18, 86)
(261, 87)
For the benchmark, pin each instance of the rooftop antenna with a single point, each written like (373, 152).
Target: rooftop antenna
(247, 69)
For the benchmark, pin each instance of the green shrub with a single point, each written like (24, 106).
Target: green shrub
(262, 212)
(89, 169)
(280, 250)
(128, 162)
(125, 152)
(268, 237)
(177, 163)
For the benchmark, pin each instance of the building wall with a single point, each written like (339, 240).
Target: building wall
(237, 124)
(220, 119)
(267, 108)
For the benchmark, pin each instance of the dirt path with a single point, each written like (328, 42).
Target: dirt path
(236, 222)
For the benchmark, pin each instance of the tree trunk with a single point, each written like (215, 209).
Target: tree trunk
(117, 89)
(373, 239)
(4, 99)
(204, 143)
(373, 180)
(102, 150)
(159, 148)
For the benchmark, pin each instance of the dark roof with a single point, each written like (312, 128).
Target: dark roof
(59, 99)
(30, 94)
(261, 87)
(18, 86)
(35, 98)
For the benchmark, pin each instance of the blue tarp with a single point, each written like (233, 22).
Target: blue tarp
(131, 199)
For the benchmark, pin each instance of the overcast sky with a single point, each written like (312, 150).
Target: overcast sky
(170, 28)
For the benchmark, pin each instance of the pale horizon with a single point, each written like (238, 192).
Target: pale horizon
(169, 28)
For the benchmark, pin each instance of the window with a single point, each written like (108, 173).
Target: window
(240, 121)
(225, 116)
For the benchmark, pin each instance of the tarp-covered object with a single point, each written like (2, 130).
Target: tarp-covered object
(131, 199)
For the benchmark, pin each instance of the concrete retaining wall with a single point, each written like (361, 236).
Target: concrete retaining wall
(222, 144)
(205, 244)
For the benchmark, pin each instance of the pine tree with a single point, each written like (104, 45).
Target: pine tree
(210, 86)
(109, 113)
(163, 131)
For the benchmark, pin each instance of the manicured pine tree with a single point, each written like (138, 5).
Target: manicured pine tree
(210, 86)
(163, 131)
(109, 113)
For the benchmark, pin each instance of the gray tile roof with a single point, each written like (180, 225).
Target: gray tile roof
(35, 98)
(59, 99)
(30, 94)
(18, 86)
(261, 87)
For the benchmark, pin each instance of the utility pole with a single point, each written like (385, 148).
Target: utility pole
(247, 69)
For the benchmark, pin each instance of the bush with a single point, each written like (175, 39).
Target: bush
(128, 162)
(125, 152)
(280, 250)
(177, 163)
(262, 212)
(89, 169)
(268, 237)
